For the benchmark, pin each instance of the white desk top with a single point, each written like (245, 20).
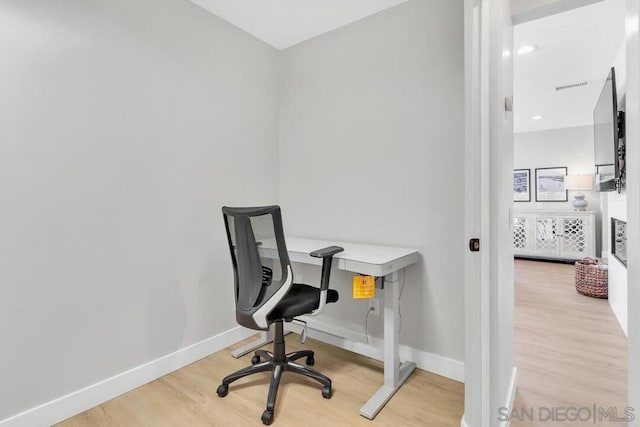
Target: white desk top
(373, 260)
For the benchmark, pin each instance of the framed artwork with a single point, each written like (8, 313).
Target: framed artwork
(550, 186)
(522, 185)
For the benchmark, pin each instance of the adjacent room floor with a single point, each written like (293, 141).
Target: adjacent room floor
(569, 348)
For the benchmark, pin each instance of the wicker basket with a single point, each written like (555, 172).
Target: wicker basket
(592, 278)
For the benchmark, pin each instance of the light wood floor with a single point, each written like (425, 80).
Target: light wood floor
(569, 349)
(188, 397)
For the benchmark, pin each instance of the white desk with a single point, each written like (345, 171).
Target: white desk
(370, 260)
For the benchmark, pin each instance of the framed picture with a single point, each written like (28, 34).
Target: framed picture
(522, 185)
(550, 186)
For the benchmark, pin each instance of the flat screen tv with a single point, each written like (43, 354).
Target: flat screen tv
(608, 137)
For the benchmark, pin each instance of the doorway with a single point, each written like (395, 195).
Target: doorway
(486, 88)
(570, 349)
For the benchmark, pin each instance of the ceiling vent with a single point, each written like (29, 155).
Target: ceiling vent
(571, 86)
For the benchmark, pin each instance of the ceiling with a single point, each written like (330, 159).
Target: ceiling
(519, 6)
(528, 10)
(283, 23)
(575, 46)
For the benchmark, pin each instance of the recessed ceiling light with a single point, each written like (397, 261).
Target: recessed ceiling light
(538, 117)
(527, 48)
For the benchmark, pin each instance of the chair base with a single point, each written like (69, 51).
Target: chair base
(277, 363)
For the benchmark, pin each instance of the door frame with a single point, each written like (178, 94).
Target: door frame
(489, 370)
(476, 370)
(632, 105)
(483, 358)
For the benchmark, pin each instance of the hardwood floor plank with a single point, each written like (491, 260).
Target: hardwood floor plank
(569, 348)
(188, 396)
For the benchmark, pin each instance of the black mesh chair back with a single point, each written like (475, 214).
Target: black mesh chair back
(261, 266)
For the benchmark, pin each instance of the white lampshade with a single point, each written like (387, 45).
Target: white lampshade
(579, 182)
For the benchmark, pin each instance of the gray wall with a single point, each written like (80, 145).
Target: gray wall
(371, 151)
(121, 125)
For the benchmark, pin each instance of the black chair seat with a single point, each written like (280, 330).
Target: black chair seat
(301, 299)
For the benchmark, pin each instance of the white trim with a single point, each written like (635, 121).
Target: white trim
(330, 334)
(511, 395)
(60, 409)
(633, 200)
(488, 161)
(463, 422)
(477, 204)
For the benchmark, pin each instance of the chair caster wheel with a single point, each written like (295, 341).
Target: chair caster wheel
(222, 390)
(267, 417)
(327, 392)
(310, 361)
(255, 360)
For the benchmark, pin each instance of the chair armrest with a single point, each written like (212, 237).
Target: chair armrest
(327, 257)
(325, 252)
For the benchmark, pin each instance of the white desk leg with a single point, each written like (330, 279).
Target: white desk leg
(395, 373)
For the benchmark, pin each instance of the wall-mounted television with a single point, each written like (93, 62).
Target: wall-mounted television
(608, 137)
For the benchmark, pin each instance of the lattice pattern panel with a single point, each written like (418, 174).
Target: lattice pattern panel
(574, 235)
(546, 230)
(520, 239)
(619, 230)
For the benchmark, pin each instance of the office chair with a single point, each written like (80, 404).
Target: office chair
(265, 294)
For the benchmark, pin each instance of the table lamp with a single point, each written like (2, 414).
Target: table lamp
(579, 183)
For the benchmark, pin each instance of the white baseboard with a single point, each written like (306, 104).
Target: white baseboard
(463, 422)
(79, 401)
(335, 335)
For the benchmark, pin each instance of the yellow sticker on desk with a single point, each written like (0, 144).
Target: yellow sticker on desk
(364, 287)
